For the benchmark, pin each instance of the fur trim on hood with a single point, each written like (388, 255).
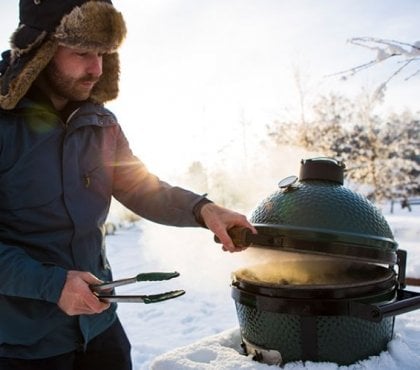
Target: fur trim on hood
(94, 25)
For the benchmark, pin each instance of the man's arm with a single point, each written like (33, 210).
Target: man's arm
(148, 196)
(22, 276)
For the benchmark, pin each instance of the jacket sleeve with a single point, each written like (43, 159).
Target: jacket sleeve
(22, 276)
(148, 196)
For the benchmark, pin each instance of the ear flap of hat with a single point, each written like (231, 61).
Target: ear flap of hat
(25, 39)
(107, 87)
(22, 72)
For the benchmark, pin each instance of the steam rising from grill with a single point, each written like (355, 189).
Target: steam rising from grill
(308, 272)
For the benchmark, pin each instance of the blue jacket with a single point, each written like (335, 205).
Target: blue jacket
(56, 183)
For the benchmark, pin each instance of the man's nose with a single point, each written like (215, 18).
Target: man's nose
(95, 65)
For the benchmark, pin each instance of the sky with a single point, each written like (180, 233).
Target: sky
(199, 76)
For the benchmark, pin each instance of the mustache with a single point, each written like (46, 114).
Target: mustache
(89, 78)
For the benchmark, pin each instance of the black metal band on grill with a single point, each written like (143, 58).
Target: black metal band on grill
(314, 307)
(308, 337)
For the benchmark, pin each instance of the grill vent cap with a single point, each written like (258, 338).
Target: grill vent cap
(322, 168)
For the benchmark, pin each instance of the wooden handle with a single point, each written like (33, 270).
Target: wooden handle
(239, 236)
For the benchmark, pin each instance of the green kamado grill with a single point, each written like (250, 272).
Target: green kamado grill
(332, 280)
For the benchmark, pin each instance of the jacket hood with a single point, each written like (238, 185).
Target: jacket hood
(93, 25)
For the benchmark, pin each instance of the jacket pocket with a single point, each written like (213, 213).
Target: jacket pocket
(98, 179)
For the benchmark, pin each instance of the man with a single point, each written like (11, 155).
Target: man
(62, 157)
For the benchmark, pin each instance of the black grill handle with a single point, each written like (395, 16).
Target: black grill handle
(406, 301)
(402, 266)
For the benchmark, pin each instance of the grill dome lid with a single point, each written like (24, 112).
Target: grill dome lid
(317, 214)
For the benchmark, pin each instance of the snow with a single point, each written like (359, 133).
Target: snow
(200, 330)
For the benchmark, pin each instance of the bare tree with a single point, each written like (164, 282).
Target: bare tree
(404, 54)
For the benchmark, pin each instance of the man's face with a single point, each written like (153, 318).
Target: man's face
(72, 73)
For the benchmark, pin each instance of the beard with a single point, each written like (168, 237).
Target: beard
(66, 86)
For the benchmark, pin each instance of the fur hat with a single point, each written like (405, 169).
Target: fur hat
(94, 25)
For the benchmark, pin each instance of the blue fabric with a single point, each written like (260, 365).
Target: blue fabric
(56, 183)
(110, 350)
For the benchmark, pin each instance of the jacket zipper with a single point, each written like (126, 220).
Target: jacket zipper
(66, 124)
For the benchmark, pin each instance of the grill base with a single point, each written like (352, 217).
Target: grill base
(339, 339)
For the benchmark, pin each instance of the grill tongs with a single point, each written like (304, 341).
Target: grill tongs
(105, 291)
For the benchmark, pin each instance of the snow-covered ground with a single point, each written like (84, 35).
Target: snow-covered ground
(200, 330)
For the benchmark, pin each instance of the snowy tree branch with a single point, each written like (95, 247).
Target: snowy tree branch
(385, 50)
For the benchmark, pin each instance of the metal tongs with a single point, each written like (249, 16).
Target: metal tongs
(104, 291)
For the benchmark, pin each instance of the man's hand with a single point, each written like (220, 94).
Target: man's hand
(77, 298)
(219, 220)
